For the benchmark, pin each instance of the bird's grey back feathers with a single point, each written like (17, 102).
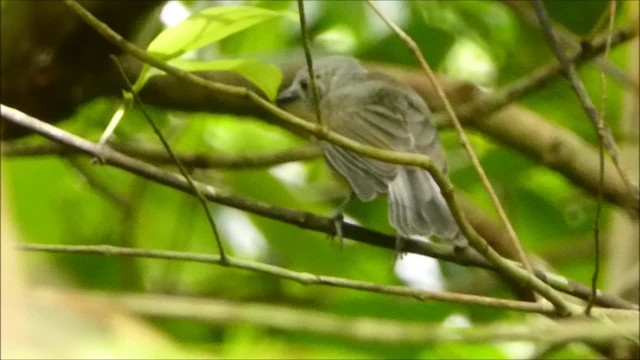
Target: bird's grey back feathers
(377, 110)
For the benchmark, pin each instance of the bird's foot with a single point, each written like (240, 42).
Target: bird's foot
(399, 246)
(338, 219)
(460, 244)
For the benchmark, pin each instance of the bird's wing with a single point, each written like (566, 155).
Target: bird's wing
(417, 116)
(388, 115)
(370, 113)
(423, 130)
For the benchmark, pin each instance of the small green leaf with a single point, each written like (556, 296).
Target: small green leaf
(206, 27)
(265, 76)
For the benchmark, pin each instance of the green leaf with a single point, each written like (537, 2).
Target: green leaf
(265, 76)
(206, 27)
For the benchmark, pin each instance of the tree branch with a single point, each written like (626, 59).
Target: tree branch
(601, 122)
(219, 312)
(298, 218)
(538, 78)
(513, 238)
(200, 160)
(309, 60)
(300, 277)
(422, 161)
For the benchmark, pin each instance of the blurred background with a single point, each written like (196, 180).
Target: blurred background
(69, 305)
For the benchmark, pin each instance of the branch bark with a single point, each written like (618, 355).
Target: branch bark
(302, 219)
(200, 160)
(300, 277)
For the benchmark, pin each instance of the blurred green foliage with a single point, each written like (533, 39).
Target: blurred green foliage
(53, 203)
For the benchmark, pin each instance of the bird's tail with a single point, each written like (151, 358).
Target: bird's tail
(416, 207)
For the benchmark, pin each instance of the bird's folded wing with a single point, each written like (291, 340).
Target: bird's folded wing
(373, 125)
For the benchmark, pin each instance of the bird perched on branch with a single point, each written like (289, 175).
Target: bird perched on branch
(377, 110)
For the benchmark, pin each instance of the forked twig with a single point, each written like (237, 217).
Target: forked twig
(183, 171)
(601, 122)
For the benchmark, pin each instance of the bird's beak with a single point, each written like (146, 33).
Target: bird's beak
(286, 96)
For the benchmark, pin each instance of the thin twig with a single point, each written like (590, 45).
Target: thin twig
(307, 55)
(183, 171)
(314, 279)
(400, 158)
(359, 328)
(570, 72)
(535, 80)
(461, 135)
(601, 122)
(300, 277)
(596, 227)
(200, 160)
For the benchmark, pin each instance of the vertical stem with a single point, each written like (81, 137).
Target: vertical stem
(183, 171)
(463, 138)
(307, 55)
(596, 223)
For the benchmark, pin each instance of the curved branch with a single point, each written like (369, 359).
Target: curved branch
(558, 149)
(513, 237)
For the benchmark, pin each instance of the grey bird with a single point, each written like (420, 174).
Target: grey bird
(377, 110)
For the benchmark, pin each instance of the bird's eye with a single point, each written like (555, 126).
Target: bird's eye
(304, 84)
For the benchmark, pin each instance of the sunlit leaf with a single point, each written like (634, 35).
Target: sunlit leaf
(206, 27)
